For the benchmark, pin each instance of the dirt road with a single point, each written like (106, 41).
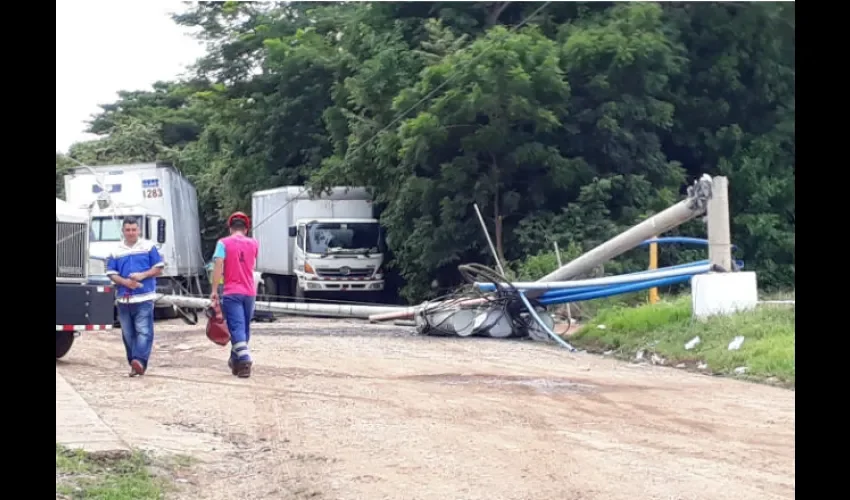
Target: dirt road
(371, 412)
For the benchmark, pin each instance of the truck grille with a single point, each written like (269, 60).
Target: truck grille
(71, 250)
(354, 272)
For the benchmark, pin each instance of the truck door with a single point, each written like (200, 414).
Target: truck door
(300, 247)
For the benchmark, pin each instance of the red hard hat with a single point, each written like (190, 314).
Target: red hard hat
(239, 215)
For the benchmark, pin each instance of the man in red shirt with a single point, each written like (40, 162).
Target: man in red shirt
(234, 259)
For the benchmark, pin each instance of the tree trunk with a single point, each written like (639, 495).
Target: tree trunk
(495, 11)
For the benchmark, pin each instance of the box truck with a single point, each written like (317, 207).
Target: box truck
(323, 246)
(166, 207)
(80, 306)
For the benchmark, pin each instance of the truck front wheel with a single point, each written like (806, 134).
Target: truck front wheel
(270, 289)
(64, 341)
(297, 291)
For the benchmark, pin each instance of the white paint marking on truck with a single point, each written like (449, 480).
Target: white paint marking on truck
(74, 328)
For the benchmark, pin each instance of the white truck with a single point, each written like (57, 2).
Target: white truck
(166, 205)
(80, 305)
(318, 247)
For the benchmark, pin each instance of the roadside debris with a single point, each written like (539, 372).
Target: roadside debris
(736, 343)
(692, 343)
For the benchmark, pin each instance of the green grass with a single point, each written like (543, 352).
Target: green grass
(664, 329)
(81, 475)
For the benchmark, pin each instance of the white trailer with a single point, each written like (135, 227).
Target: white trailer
(163, 201)
(329, 245)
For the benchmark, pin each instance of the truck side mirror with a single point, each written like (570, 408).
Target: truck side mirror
(160, 231)
(293, 231)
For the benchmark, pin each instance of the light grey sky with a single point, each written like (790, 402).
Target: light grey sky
(103, 46)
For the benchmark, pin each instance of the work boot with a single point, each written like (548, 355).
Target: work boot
(243, 369)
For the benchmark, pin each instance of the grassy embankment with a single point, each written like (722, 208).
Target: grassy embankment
(81, 475)
(664, 328)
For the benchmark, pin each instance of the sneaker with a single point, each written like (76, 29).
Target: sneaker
(232, 367)
(243, 369)
(136, 367)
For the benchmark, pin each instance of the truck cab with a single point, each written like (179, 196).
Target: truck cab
(105, 235)
(338, 255)
(327, 244)
(81, 305)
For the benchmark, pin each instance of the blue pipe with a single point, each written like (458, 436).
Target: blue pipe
(489, 287)
(739, 263)
(677, 266)
(680, 266)
(680, 239)
(565, 292)
(595, 288)
(569, 293)
(592, 288)
(613, 290)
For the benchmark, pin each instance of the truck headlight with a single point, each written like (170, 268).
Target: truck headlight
(97, 267)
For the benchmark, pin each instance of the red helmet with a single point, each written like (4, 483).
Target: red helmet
(239, 216)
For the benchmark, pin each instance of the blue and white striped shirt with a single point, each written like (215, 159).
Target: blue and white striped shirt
(126, 260)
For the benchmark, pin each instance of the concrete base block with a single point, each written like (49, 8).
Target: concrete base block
(723, 293)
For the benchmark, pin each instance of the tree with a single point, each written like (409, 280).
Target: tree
(592, 117)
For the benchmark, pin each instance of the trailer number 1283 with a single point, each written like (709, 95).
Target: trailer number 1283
(152, 192)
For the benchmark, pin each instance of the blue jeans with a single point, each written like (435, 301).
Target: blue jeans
(238, 311)
(137, 330)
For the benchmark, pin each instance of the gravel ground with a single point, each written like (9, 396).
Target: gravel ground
(347, 410)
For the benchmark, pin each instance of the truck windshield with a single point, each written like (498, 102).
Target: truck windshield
(108, 228)
(329, 238)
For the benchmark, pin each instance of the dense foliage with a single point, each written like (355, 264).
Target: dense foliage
(568, 128)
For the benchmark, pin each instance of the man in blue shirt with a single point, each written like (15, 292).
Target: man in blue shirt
(133, 267)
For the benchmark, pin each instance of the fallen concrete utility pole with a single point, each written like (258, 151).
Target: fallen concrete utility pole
(294, 308)
(693, 206)
(410, 312)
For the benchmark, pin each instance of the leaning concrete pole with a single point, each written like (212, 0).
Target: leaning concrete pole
(687, 209)
(719, 238)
